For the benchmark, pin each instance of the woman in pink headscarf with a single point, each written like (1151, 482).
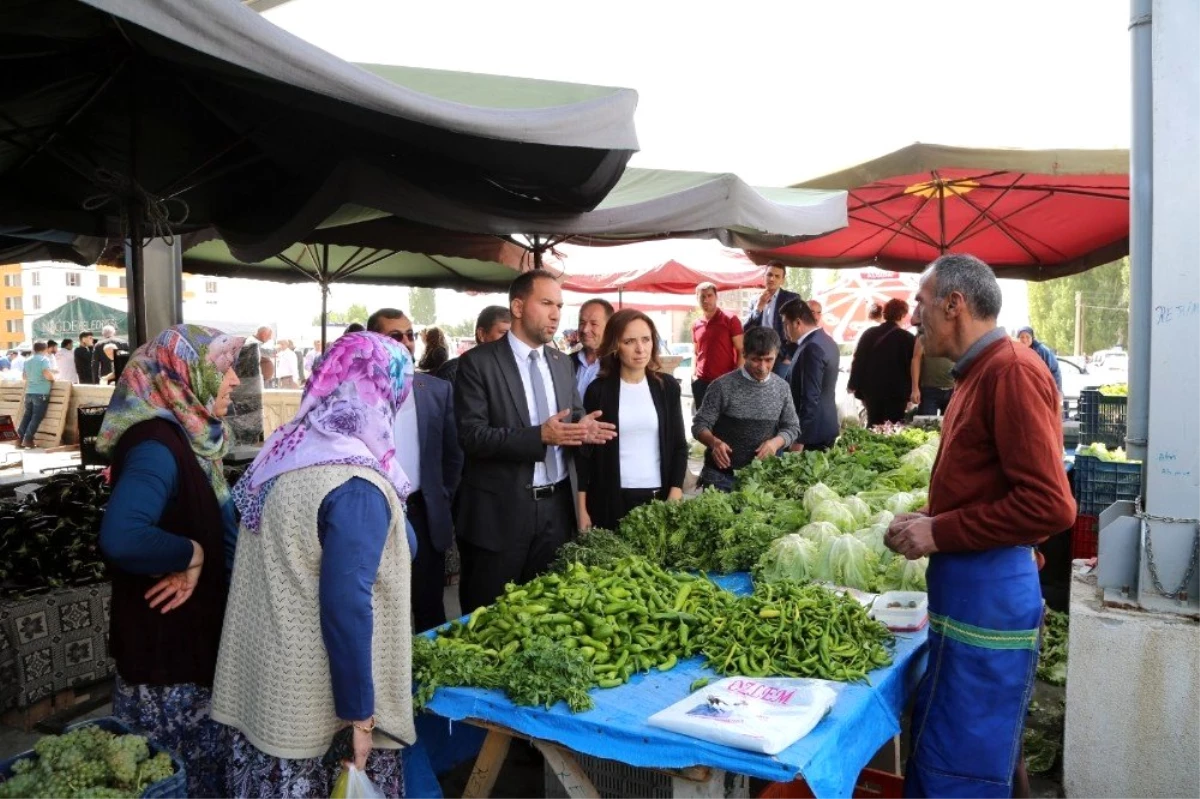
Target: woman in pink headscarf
(316, 645)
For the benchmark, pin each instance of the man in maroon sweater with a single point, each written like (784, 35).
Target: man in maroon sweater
(998, 489)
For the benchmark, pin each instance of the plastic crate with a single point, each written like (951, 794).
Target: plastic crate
(870, 783)
(1101, 418)
(90, 418)
(1085, 537)
(1099, 484)
(173, 786)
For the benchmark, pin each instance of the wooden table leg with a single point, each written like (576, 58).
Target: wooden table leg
(563, 764)
(487, 765)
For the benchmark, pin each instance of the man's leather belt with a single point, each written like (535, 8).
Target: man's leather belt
(545, 492)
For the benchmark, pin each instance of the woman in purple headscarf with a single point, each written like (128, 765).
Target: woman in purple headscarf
(316, 645)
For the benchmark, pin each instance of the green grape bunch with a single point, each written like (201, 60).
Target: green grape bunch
(87, 763)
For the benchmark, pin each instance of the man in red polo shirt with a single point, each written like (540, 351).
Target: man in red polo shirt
(998, 489)
(717, 339)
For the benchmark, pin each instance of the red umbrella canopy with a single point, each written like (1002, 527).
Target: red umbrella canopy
(846, 305)
(1030, 214)
(670, 277)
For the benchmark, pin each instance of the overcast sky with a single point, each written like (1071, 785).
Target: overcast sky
(776, 92)
(780, 91)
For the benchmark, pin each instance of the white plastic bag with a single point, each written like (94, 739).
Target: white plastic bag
(355, 784)
(766, 715)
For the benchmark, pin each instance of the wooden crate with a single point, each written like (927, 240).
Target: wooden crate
(26, 718)
(50, 432)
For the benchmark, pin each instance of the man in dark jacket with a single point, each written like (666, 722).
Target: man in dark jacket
(814, 377)
(493, 324)
(765, 313)
(1025, 336)
(83, 358)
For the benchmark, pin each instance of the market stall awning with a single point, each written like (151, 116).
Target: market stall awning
(189, 114)
(385, 251)
(70, 319)
(1033, 214)
(662, 203)
(670, 277)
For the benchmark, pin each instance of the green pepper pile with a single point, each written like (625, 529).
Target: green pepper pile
(791, 630)
(597, 627)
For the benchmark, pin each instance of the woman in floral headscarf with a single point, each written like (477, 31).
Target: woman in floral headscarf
(316, 647)
(168, 534)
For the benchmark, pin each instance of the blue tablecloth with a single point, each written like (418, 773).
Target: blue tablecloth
(829, 758)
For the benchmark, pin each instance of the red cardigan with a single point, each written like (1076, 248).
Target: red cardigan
(999, 478)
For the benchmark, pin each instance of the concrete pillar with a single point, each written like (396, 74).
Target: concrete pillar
(1133, 701)
(163, 284)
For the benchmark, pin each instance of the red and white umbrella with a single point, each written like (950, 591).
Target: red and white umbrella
(846, 305)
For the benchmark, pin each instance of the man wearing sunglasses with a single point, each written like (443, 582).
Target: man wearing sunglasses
(428, 451)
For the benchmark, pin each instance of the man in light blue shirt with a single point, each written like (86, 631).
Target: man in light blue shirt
(38, 373)
(593, 317)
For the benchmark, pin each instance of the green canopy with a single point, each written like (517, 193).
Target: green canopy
(70, 319)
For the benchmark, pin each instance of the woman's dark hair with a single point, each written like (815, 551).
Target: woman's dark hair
(436, 352)
(875, 313)
(895, 310)
(354, 327)
(610, 357)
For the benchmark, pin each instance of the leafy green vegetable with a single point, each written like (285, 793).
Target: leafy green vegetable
(816, 496)
(901, 502)
(846, 561)
(1052, 660)
(903, 574)
(820, 532)
(790, 557)
(595, 548)
(834, 512)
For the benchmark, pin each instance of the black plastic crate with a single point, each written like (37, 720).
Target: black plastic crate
(1099, 484)
(1101, 418)
(90, 418)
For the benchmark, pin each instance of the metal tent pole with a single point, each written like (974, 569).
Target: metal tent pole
(1141, 195)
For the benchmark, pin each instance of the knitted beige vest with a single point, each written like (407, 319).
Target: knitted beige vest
(272, 680)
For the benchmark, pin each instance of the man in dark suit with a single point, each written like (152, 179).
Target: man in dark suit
(814, 377)
(427, 448)
(520, 419)
(765, 313)
(83, 358)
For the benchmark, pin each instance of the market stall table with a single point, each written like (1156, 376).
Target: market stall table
(829, 758)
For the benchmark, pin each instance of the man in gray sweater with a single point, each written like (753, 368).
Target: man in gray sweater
(746, 414)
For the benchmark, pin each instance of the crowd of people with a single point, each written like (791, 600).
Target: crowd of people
(263, 630)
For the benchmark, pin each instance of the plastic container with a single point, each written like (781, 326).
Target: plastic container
(870, 783)
(173, 786)
(1085, 537)
(911, 611)
(1102, 419)
(90, 418)
(1099, 484)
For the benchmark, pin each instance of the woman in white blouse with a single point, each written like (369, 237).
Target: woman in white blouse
(648, 459)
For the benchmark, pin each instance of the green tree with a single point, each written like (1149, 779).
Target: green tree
(800, 280)
(463, 329)
(355, 313)
(422, 304)
(1105, 292)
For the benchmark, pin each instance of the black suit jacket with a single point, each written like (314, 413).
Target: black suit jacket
(814, 388)
(441, 458)
(83, 364)
(881, 370)
(496, 507)
(786, 349)
(600, 465)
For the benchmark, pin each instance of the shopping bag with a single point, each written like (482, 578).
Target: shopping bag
(354, 784)
(767, 715)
